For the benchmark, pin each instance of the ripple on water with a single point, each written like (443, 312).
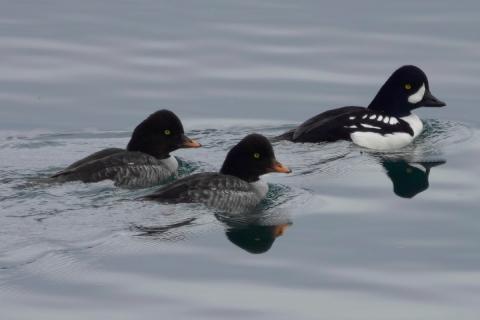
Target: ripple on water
(43, 222)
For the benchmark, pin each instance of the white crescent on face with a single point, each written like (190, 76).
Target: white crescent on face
(417, 96)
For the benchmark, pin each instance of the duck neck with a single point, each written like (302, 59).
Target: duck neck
(389, 101)
(391, 107)
(239, 172)
(137, 146)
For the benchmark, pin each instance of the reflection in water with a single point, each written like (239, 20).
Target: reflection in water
(255, 238)
(255, 233)
(254, 230)
(408, 178)
(157, 231)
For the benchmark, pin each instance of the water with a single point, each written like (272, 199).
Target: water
(365, 235)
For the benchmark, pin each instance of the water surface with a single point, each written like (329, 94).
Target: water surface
(365, 235)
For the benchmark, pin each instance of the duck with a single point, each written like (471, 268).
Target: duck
(409, 178)
(387, 123)
(237, 187)
(145, 162)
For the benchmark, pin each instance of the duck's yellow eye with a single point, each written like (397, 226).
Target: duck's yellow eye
(256, 155)
(408, 86)
(167, 132)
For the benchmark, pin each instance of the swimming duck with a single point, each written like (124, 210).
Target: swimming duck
(145, 162)
(387, 123)
(237, 187)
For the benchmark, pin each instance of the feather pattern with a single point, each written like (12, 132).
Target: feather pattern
(125, 168)
(342, 122)
(215, 190)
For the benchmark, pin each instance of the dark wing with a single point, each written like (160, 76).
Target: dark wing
(284, 136)
(212, 189)
(322, 127)
(327, 126)
(125, 168)
(95, 156)
(339, 123)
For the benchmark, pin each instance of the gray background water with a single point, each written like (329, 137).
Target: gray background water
(77, 76)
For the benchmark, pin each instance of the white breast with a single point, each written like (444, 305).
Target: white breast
(397, 140)
(260, 187)
(170, 163)
(415, 123)
(377, 141)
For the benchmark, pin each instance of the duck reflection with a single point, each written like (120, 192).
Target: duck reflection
(255, 233)
(167, 232)
(408, 178)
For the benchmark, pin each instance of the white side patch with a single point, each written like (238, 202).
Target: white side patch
(393, 121)
(369, 126)
(353, 127)
(415, 123)
(373, 116)
(364, 116)
(378, 141)
(170, 163)
(380, 118)
(351, 118)
(260, 187)
(386, 120)
(417, 96)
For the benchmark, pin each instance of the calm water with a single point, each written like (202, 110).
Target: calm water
(366, 235)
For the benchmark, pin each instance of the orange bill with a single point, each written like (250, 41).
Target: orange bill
(278, 167)
(190, 143)
(280, 229)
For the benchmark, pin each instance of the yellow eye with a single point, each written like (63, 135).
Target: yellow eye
(256, 155)
(167, 132)
(408, 86)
